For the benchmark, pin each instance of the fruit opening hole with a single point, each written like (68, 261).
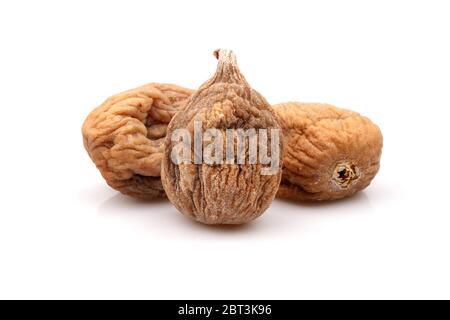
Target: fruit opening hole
(345, 173)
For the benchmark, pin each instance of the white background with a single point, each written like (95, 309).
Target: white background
(65, 234)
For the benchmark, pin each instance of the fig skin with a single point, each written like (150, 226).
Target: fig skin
(124, 137)
(222, 193)
(330, 153)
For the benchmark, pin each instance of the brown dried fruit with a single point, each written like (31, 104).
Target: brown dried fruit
(330, 153)
(222, 193)
(125, 135)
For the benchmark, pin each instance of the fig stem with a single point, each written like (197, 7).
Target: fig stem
(225, 55)
(227, 68)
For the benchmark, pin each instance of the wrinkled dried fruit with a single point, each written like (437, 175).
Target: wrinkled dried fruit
(330, 153)
(125, 135)
(219, 192)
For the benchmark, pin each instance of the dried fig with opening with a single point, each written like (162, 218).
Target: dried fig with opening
(330, 153)
(124, 137)
(219, 117)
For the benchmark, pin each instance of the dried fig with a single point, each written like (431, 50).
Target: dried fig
(212, 187)
(124, 137)
(330, 153)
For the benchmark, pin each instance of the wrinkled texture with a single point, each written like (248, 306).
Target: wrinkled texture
(221, 193)
(124, 137)
(330, 153)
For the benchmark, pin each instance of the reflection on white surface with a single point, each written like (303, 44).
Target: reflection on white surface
(282, 218)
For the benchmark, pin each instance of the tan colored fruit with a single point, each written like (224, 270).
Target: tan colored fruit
(124, 137)
(221, 193)
(330, 153)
